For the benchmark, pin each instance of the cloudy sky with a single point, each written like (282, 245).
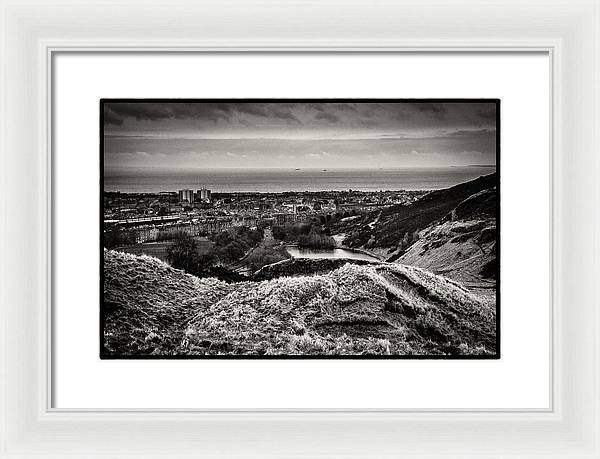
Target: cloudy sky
(298, 135)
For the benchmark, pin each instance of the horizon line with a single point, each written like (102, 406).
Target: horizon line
(297, 168)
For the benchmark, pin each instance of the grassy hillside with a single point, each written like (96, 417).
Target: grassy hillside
(380, 308)
(147, 303)
(463, 246)
(386, 229)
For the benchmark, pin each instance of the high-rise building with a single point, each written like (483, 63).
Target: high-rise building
(204, 194)
(186, 195)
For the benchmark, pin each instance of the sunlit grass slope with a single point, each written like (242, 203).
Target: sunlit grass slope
(379, 308)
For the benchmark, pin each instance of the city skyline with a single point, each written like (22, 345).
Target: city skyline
(174, 136)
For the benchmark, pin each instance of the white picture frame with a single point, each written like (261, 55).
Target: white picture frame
(568, 30)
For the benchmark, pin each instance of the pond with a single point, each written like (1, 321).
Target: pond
(333, 253)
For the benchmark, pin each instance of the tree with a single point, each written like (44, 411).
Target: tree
(279, 233)
(116, 236)
(406, 240)
(315, 240)
(207, 259)
(183, 253)
(266, 254)
(415, 236)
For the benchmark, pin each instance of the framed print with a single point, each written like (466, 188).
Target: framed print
(299, 229)
(318, 337)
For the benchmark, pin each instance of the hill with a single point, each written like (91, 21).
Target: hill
(462, 245)
(384, 231)
(378, 308)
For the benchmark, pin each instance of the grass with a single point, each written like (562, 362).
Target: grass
(159, 249)
(463, 246)
(378, 308)
(146, 303)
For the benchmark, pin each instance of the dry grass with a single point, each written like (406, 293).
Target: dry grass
(456, 249)
(381, 308)
(146, 302)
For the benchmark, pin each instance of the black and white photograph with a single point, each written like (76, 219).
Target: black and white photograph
(304, 228)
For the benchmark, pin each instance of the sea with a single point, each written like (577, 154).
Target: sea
(148, 180)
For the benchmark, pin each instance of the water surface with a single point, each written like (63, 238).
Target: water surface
(148, 180)
(334, 253)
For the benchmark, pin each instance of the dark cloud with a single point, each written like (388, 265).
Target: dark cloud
(251, 109)
(142, 111)
(436, 110)
(329, 112)
(327, 116)
(116, 113)
(283, 113)
(110, 117)
(215, 134)
(227, 117)
(488, 114)
(163, 111)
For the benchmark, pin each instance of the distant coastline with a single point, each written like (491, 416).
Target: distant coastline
(280, 180)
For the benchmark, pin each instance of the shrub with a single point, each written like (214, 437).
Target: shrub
(183, 253)
(407, 241)
(292, 231)
(316, 241)
(231, 245)
(279, 233)
(267, 254)
(116, 236)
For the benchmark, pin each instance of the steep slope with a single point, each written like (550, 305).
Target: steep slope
(380, 308)
(384, 231)
(463, 245)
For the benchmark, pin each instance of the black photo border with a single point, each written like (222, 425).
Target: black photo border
(106, 356)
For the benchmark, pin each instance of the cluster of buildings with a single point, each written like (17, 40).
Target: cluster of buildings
(153, 216)
(202, 195)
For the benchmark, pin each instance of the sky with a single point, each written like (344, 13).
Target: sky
(285, 134)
